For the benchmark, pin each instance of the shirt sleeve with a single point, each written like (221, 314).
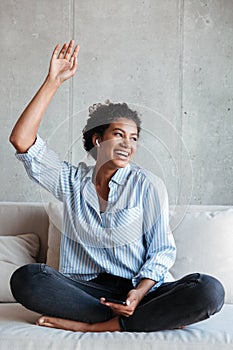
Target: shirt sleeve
(158, 238)
(44, 167)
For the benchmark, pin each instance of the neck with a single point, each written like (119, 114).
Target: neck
(103, 174)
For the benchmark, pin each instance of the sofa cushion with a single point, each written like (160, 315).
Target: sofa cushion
(55, 213)
(204, 240)
(15, 251)
(25, 217)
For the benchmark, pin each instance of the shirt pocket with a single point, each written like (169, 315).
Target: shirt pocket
(126, 226)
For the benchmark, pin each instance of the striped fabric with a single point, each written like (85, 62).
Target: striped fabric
(131, 239)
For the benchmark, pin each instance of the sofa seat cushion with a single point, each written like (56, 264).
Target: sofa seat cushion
(19, 332)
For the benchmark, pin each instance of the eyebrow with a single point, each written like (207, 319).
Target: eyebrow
(134, 133)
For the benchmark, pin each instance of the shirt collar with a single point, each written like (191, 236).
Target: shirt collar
(119, 177)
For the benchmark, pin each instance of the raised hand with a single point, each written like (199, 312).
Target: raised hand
(63, 64)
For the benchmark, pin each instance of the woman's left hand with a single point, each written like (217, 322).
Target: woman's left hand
(63, 64)
(133, 299)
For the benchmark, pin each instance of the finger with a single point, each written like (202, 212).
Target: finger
(76, 51)
(55, 51)
(75, 54)
(74, 65)
(69, 49)
(63, 51)
(116, 307)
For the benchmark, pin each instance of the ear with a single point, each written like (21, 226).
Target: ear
(94, 138)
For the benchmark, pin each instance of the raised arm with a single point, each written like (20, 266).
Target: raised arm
(63, 65)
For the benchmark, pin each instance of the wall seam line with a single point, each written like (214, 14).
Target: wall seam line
(71, 83)
(181, 80)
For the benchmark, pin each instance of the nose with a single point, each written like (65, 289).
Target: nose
(126, 142)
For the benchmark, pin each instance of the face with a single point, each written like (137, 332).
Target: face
(118, 144)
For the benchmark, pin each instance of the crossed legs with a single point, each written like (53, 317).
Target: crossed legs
(75, 306)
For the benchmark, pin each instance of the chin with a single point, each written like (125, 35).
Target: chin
(118, 163)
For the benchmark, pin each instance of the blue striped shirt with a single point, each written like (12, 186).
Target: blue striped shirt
(131, 239)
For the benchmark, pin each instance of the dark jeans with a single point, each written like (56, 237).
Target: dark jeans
(193, 298)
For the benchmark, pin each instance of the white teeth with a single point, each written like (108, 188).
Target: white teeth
(122, 153)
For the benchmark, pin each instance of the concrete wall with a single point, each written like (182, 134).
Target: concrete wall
(170, 59)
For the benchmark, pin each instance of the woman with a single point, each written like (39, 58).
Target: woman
(116, 243)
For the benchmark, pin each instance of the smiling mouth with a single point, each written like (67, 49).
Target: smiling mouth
(121, 154)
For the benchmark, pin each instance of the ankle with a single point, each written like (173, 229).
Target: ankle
(112, 325)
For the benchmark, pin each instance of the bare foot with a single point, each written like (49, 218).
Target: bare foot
(111, 325)
(60, 323)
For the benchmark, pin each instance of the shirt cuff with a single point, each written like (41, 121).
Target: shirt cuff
(32, 151)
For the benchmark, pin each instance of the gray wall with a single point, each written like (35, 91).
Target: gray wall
(170, 59)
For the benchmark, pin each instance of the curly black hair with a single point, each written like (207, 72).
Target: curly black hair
(101, 116)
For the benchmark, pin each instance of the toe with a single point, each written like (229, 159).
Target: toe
(40, 321)
(45, 321)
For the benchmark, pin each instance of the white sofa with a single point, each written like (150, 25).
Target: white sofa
(204, 238)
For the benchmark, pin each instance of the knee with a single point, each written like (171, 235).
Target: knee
(20, 282)
(211, 293)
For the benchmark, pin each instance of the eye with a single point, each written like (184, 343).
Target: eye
(134, 139)
(118, 134)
